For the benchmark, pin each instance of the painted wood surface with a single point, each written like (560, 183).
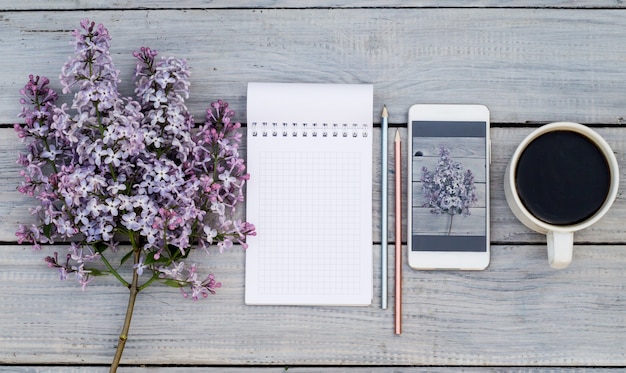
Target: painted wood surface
(530, 62)
(212, 4)
(526, 65)
(519, 311)
(296, 369)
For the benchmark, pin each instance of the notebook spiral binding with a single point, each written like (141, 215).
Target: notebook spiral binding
(274, 129)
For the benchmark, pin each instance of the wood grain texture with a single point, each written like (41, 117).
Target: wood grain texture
(216, 4)
(526, 65)
(531, 62)
(517, 312)
(299, 369)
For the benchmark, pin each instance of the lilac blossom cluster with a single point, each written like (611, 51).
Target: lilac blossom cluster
(112, 169)
(448, 189)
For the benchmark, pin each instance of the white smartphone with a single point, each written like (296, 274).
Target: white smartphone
(448, 194)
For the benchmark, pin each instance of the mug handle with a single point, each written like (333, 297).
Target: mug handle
(560, 247)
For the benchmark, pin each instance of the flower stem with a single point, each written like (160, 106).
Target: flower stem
(134, 290)
(113, 271)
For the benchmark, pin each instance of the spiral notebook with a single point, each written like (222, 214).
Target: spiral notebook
(309, 194)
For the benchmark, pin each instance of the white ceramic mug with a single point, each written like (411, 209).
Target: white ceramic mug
(560, 237)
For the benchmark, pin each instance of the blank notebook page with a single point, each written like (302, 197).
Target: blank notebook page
(309, 194)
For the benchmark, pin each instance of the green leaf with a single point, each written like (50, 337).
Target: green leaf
(98, 272)
(176, 253)
(126, 257)
(47, 230)
(100, 246)
(173, 283)
(151, 260)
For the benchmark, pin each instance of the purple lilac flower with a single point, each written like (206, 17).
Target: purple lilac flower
(108, 166)
(448, 189)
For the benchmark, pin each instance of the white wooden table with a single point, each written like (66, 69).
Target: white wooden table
(529, 63)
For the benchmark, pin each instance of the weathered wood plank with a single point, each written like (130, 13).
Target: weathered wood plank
(527, 65)
(504, 226)
(216, 4)
(470, 147)
(443, 224)
(297, 369)
(517, 312)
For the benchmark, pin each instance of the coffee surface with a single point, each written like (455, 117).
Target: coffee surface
(562, 178)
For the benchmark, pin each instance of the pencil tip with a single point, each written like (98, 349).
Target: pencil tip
(384, 111)
(397, 135)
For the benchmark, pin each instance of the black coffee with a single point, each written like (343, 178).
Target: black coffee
(562, 178)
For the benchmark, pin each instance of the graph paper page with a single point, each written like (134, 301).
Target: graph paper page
(309, 194)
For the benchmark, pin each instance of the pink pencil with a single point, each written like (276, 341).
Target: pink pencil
(398, 166)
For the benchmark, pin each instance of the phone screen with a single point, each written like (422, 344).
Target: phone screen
(449, 189)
